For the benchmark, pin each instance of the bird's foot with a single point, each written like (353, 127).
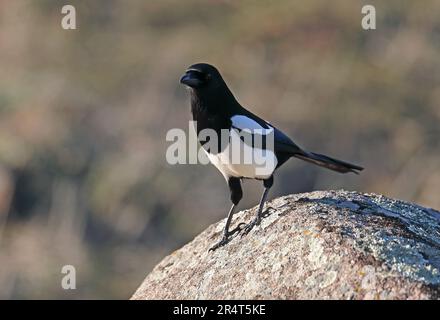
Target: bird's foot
(268, 212)
(237, 229)
(248, 228)
(219, 244)
(257, 221)
(227, 237)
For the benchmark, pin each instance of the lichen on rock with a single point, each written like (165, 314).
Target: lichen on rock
(318, 245)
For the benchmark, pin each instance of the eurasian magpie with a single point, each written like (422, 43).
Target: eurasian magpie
(214, 107)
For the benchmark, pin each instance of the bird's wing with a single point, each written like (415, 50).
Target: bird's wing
(284, 144)
(251, 132)
(256, 126)
(249, 122)
(243, 122)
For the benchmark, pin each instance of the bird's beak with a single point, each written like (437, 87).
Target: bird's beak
(190, 79)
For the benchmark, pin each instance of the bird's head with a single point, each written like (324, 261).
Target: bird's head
(208, 89)
(202, 77)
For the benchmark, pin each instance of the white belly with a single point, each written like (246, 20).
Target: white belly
(241, 160)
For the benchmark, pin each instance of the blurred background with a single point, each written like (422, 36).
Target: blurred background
(84, 114)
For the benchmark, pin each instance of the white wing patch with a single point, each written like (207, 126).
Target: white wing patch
(247, 124)
(239, 159)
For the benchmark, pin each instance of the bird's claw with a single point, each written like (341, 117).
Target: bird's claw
(248, 228)
(256, 221)
(267, 212)
(227, 237)
(240, 227)
(219, 244)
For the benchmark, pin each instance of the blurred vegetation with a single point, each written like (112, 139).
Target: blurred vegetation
(84, 113)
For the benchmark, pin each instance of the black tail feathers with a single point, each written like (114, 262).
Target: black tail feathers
(327, 162)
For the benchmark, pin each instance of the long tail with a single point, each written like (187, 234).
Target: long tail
(327, 162)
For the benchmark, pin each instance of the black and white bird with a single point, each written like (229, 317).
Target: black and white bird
(214, 107)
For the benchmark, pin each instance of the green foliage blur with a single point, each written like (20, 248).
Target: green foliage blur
(84, 114)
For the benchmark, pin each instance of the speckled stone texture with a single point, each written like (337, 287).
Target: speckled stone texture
(319, 245)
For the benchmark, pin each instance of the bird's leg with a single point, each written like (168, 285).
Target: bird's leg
(236, 195)
(259, 215)
(267, 185)
(226, 232)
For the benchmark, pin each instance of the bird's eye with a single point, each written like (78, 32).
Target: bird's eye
(201, 75)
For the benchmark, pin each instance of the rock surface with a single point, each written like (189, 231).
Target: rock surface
(319, 245)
